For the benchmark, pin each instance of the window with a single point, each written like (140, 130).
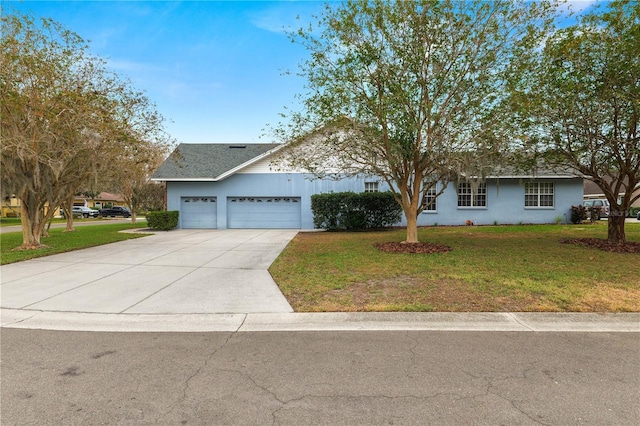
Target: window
(371, 187)
(430, 197)
(468, 196)
(538, 194)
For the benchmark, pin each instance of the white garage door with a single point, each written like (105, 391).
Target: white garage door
(199, 212)
(263, 212)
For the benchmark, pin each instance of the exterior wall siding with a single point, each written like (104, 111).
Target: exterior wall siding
(505, 204)
(505, 197)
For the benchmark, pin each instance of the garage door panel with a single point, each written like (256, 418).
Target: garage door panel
(199, 212)
(263, 212)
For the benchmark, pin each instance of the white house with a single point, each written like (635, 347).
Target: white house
(235, 186)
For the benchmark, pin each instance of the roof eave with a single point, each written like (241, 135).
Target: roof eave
(532, 177)
(184, 179)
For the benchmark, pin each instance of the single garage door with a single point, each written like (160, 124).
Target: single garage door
(199, 212)
(263, 212)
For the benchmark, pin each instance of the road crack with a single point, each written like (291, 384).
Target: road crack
(188, 380)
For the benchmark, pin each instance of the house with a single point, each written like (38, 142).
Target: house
(98, 201)
(106, 199)
(11, 205)
(236, 186)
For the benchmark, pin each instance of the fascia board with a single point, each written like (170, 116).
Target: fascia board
(530, 177)
(184, 179)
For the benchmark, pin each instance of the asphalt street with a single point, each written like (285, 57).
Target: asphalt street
(299, 378)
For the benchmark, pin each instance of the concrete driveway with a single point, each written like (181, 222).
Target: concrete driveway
(176, 272)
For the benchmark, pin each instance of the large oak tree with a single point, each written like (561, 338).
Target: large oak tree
(408, 90)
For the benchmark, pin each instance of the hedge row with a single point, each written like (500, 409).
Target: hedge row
(354, 211)
(162, 220)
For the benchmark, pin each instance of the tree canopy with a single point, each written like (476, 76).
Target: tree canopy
(66, 118)
(578, 104)
(408, 91)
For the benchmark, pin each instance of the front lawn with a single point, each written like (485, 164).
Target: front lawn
(491, 268)
(59, 241)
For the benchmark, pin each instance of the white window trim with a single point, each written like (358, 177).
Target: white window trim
(538, 194)
(374, 183)
(434, 188)
(473, 196)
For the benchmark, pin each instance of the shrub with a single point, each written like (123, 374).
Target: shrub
(354, 211)
(163, 220)
(578, 214)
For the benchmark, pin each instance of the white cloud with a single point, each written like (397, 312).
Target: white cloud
(285, 16)
(130, 66)
(273, 20)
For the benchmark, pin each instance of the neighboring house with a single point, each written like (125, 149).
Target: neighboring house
(236, 186)
(105, 199)
(593, 191)
(11, 205)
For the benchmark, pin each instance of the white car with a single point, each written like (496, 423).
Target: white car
(82, 211)
(600, 207)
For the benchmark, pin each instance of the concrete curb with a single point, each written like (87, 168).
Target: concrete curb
(341, 321)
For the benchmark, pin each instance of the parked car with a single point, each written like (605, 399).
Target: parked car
(115, 211)
(81, 211)
(638, 216)
(601, 205)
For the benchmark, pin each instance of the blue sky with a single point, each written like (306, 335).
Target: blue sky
(213, 68)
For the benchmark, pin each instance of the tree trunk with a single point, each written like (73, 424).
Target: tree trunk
(410, 205)
(615, 231)
(412, 225)
(31, 227)
(68, 214)
(133, 216)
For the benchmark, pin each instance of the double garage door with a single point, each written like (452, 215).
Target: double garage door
(242, 212)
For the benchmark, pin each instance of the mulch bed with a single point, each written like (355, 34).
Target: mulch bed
(419, 248)
(431, 248)
(604, 245)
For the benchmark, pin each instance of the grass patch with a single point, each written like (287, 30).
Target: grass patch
(59, 241)
(491, 269)
(10, 221)
(15, 221)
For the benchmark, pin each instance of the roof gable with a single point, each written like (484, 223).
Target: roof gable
(192, 161)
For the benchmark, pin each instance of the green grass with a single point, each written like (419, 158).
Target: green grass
(59, 241)
(491, 268)
(15, 221)
(9, 221)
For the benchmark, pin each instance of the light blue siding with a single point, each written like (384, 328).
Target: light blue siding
(505, 204)
(505, 198)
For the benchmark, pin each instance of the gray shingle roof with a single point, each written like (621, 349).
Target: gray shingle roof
(207, 161)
